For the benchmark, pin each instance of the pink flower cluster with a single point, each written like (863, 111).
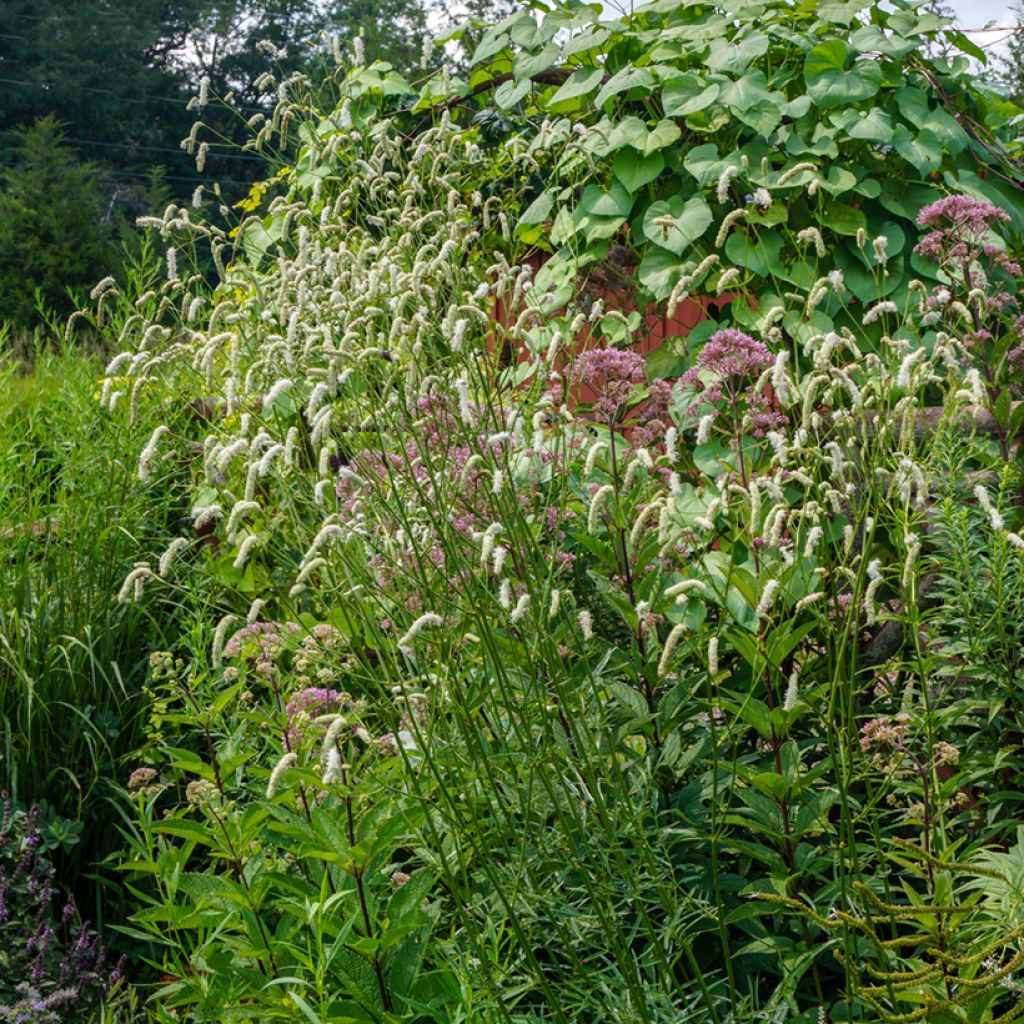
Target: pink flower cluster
(263, 641)
(961, 227)
(309, 703)
(962, 212)
(726, 368)
(613, 373)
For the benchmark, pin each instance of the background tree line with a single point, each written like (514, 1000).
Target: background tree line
(93, 110)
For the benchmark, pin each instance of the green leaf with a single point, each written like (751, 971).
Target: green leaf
(748, 91)
(685, 224)
(630, 131)
(832, 83)
(530, 32)
(537, 212)
(663, 134)
(616, 202)
(923, 149)
(737, 53)
(687, 95)
(860, 281)
(586, 41)
(842, 219)
(408, 898)
(629, 699)
(760, 255)
(581, 82)
(508, 94)
(872, 125)
(660, 270)
(704, 163)
(840, 12)
(526, 65)
(636, 171)
(629, 77)
(913, 105)
(838, 180)
(492, 43)
(965, 45)
(872, 39)
(771, 784)
(751, 102)
(185, 829)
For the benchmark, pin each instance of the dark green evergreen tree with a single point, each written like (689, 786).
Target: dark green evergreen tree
(55, 234)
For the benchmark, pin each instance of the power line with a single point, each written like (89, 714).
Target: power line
(179, 102)
(133, 147)
(103, 171)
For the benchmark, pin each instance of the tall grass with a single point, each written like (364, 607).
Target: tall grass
(72, 520)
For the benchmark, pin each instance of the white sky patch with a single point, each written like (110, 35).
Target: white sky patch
(974, 15)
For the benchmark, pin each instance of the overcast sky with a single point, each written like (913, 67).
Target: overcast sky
(975, 13)
(978, 13)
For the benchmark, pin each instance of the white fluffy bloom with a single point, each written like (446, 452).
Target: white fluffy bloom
(671, 440)
(671, 642)
(792, 691)
(167, 558)
(878, 310)
(596, 504)
(278, 388)
(981, 493)
(245, 549)
(105, 285)
(704, 428)
(427, 619)
(771, 589)
(521, 606)
(907, 366)
(586, 624)
(131, 589)
(148, 453)
(282, 766)
(724, 182)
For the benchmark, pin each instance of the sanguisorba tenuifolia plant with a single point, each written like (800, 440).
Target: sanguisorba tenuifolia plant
(530, 680)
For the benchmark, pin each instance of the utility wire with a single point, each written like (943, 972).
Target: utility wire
(141, 148)
(180, 102)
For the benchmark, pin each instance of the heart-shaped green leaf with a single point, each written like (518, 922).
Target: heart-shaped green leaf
(635, 171)
(616, 202)
(675, 225)
(833, 82)
(537, 212)
(581, 82)
(688, 94)
(922, 149)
